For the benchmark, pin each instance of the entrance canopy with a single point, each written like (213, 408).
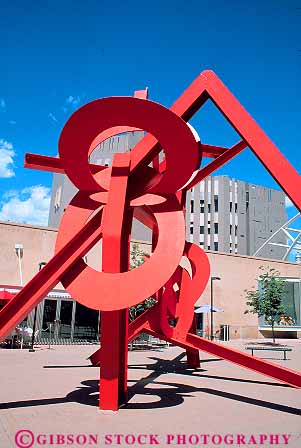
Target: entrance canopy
(207, 309)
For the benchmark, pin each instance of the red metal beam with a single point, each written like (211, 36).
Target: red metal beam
(242, 359)
(38, 287)
(217, 163)
(52, 164)
(212, 151)
(115, 258)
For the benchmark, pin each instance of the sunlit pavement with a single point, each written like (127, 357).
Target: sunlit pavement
(56, 392)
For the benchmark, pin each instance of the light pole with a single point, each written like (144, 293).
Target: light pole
(41, 264)
(211, 306)
(19, 252)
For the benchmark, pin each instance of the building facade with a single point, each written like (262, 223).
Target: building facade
(233, 216)
(76, 322)
(222, 214)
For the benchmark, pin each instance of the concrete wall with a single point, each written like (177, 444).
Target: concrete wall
(237, 272)
(38, 243)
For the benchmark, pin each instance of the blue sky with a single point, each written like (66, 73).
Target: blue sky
(59, 55)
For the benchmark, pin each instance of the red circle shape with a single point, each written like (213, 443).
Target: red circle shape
(113, 291)
(168, 128)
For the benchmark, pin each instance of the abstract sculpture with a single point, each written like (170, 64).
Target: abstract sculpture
(140, 184)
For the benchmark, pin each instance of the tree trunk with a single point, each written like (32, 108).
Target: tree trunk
(273, 332)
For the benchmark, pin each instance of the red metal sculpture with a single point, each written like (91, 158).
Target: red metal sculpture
(139, 185)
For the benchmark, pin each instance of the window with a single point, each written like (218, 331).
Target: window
(202, 209)
(57, 198)
(230, 207)
(49, 313)
(86, 322)
(208, 230)
(201, 230)
(235, 208)
(65, 318)
(291, 302)
(235, 230)
(215, 227)
(209, 208)
(191, 206)
(191, 230)
(215, 203)
(215, 246)
(208, 247)
(230, 229)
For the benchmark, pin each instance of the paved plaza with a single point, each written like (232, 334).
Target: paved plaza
(53, 393)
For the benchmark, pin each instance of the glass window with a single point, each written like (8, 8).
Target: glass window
(49, 313)
(215, 246)
(65, 319)
(191, 206)
(201, 230)
(215, 227)
(291, 302)
(86, 323)
(215, 203)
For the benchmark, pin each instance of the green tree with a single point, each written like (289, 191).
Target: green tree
(137, 257)
(267, 299)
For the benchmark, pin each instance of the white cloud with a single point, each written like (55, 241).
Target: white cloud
(6, 159)
(30, 205)
(288, 202)
(52, 117)
(12, 122)
(73, 100)
(2, 105)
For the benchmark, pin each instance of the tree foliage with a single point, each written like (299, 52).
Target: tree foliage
(137, 257)
(267, 299)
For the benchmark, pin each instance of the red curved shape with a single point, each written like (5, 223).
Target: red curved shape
(181, 304)
(92, 119)
(113, 291)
